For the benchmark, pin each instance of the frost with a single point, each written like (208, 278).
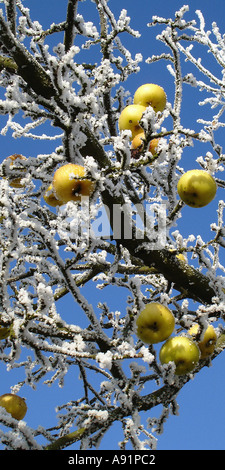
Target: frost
(189, 78)
(147, 356)
(105, 360)
(24, 298)
(21, 437)
(78, 344)
(87, 28)
(100, 416)
(126, 349)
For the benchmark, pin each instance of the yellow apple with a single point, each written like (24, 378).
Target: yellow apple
(14, 405)
(220, 342)
(130, 117)
(16, 183)
(153, 146)
(50, 198)
(155, 323)
(137, 143)
(181, 350)
(4, 332)
(69, 183)
(150, 94)
(208, 343)
(196, 188)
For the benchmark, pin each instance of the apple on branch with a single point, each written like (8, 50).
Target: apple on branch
(70, 183)
(220, 343)
(155, 323)
(4, 332)
(196, 188)
(16, 182)
(14, 405)
(138, 143)
(152, 95)
(50, 198)
(208, 343)
(181, 350)
(130, 117)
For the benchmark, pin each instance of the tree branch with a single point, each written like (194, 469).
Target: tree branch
(180, 274)
(28, 68)
(11, 15)
(70, 24)
(66, 440)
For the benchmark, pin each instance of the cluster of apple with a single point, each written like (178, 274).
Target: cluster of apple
(146, 95)
(69, 184)
(196, 188)
(69, 181)
(155, 324)
(14, 405)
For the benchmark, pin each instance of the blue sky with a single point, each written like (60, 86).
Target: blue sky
(201, 420)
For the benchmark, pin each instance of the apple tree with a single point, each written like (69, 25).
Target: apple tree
(66, 86)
